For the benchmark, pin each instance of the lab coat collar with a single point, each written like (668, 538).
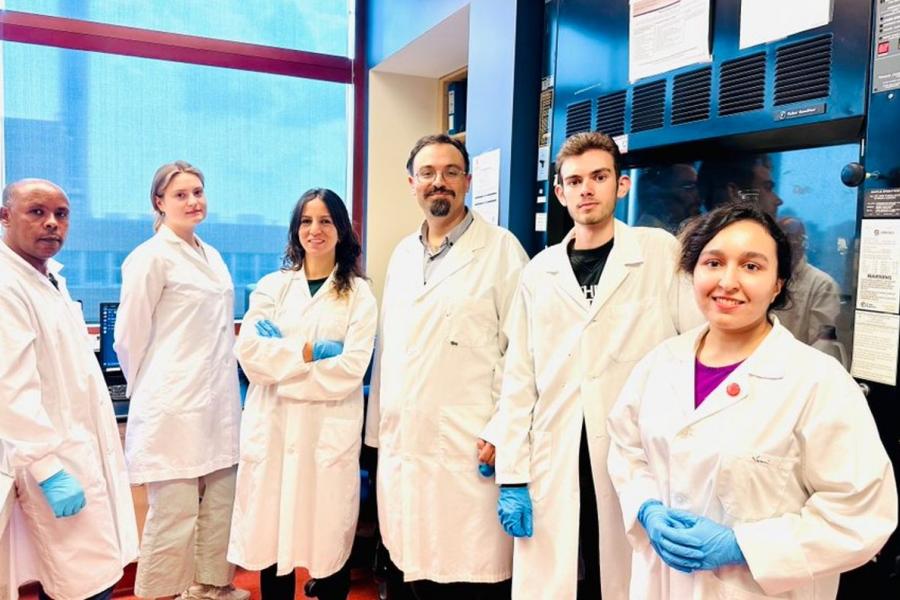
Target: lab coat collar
(299, 277)
(766, 362)
(459, 255)
(625, 254)
(202, 260)
(53, 266)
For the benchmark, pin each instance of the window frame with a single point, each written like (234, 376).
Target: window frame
(89, 36)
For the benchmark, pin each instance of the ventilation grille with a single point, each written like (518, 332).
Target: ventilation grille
(742, 84)
(611, 114)
(690, 96)
(803, 70)
(578, 117)
(647, 106)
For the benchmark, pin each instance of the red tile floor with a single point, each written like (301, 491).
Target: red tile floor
(363, 587)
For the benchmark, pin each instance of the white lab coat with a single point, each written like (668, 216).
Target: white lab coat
(567, 361)
(792, 462)
(55, 413)
(434, 388)
(297, 495)
(174, 337)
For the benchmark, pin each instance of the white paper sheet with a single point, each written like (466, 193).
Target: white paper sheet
(875, 338)
(665, 35)
(540, 222)
(543, 166)
(486, 185)
(878, 283)
(767, 20)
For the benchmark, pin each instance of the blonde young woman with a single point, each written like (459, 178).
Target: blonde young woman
(305, 344)
(174, 334)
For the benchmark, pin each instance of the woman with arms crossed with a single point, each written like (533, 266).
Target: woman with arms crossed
(747, 463)
(305, 344)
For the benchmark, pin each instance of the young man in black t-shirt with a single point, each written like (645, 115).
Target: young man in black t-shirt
(586, 311)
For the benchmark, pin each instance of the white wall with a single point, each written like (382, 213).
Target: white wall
(402, 109)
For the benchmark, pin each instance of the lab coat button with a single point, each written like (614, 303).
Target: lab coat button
(733, 389)
(685, 433)
(680, 498)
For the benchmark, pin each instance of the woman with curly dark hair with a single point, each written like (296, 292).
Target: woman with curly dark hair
(747, 463)
(305, 344)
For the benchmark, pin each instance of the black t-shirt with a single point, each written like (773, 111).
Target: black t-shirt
(315, 285)
(588, 265)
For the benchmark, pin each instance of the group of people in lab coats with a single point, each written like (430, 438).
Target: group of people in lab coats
(620, 417)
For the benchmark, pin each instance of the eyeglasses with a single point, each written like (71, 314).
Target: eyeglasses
(451, 174)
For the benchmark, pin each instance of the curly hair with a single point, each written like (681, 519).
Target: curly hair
(348, 250)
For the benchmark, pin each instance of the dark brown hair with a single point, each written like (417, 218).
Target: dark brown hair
(704, 228)
(439, 138)
(348, 249)
(580, 143)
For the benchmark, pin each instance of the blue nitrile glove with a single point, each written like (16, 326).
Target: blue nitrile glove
(326, 349)
(486, 470)
(63, 493)
(267, 329)
(716, 542)
(658, 524)
(514, 510)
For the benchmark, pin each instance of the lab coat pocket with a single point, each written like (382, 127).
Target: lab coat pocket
(541, 464)
(752, 486)
(182, 392)
(333, 326)
(635, 328)
(458, 430)
(472, 323)
(711, 585)
(254, 435)
(339, 442)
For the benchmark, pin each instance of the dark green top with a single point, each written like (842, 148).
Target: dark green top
(315, 285)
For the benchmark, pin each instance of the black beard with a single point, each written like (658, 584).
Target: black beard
(440, 208)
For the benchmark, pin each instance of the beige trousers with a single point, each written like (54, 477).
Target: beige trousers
(186, 533)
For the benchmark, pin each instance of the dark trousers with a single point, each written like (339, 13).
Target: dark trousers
(283, 587)
(423, 589)
(588, 530)
(104, 595)
(277, 587)
(429, 590)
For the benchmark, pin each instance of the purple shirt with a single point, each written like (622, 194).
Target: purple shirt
(706, 379)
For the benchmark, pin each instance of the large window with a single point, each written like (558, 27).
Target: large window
(313, 25)
(100, 124)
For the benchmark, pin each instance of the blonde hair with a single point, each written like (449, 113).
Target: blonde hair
(161, 180)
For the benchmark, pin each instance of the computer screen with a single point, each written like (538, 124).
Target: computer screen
(108, 359)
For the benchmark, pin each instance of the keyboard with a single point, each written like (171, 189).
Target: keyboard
(117, 392)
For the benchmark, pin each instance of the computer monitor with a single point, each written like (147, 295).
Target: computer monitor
(108, 359)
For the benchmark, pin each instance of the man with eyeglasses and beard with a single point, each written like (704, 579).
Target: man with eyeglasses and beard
(436, 382)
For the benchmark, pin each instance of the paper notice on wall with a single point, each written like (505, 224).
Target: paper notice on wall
(665, 35)
(768, 20)
(878, 283)
(875, 339)
(540, 221)
(486, 185)
(543, 166)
